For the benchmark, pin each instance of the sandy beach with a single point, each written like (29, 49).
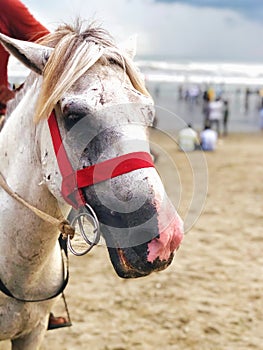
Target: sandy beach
(210, 298)
(189, 53)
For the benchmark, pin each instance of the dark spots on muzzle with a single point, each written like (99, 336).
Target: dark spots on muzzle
(99, 145)
(127, 236)
(122, 229)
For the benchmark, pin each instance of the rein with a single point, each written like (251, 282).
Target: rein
(62, 224)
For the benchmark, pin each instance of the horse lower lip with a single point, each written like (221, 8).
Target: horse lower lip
(128, 270)
(125, 269)
(123, 260)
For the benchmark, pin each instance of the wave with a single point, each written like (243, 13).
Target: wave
(181, 72)
(204, 72)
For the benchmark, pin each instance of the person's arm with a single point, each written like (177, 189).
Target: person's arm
(16, 22)
(22, 25)
(3, 66)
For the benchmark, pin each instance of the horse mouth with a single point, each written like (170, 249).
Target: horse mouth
(128, 264)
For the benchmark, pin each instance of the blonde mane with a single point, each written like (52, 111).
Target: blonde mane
(75, 51)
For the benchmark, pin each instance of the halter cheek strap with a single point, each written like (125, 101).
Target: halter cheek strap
(73, 181)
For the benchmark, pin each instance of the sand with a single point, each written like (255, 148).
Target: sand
(210, 298)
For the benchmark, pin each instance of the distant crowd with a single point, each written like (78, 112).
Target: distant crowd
(215, 111)
(215, 105)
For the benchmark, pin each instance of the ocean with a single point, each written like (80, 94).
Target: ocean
(170, 81)
(199, 72)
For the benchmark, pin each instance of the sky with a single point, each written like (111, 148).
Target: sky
(206, 30)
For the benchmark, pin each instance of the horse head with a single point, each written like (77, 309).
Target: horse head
(103, 112)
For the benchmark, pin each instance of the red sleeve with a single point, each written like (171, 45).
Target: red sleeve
(3, 66)
(22, 25)
(16, 21)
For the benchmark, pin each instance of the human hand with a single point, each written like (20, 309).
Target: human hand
(6, 94)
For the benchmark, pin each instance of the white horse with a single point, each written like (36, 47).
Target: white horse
(102, 112)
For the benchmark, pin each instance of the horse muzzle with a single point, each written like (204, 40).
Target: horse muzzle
(143, 241)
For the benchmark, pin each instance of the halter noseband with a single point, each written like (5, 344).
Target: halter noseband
(73, 181)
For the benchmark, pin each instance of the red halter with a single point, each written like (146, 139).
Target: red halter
(74, 180)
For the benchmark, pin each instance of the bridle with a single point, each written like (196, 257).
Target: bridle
(73, 183)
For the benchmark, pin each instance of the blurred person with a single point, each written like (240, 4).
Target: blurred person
(17, 22)
(247, 94)
(157, 91)
(211, 94)
(216, 113)
(261, 119)
(260, 95)
(225, 117)
(206, 107)
(193, 95)
(180, 92)
(208, 139)
(188, 139)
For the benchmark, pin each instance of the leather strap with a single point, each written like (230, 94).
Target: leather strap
(6, 291)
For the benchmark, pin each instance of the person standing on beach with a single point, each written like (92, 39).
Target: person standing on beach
(225, 118)
(17, 22)
(261, 118)
(216, 113)
(206, 107)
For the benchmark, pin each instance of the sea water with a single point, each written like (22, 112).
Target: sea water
(168, 80)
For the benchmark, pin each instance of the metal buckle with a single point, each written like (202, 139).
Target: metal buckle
(86, 213)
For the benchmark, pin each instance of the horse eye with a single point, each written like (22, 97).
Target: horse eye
(75, 117)
(72, 119)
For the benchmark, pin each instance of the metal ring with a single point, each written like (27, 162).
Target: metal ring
(96, 224)
(92, 218)
(73, 251)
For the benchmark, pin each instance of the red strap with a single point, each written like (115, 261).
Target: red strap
(64, 164)
(73, 181)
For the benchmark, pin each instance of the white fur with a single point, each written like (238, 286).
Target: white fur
(30, 259)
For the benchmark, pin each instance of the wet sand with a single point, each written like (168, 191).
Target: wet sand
(210, 298)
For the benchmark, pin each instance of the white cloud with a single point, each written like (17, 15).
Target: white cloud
(164, 29)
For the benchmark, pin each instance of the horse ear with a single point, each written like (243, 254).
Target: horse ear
(32, 55)
(129, 46)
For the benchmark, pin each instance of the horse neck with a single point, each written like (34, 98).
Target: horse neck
(27, 243)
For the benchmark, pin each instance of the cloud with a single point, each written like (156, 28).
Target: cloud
(251, 8)
(168, 29)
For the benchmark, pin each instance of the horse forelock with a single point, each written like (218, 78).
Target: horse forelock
(75, 51)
